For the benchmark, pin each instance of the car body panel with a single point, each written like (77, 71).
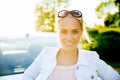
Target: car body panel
(12, 77)
(18, 52)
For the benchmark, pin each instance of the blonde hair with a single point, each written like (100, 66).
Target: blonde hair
(86, 34)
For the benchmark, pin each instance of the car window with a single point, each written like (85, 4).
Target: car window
(17, 54)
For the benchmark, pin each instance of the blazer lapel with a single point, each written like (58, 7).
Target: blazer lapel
(82, 58)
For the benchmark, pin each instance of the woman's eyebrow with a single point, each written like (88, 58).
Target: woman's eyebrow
(76, 29)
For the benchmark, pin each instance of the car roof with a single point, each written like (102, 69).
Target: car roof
(27, 36)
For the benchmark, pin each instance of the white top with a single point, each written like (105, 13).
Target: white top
(63, 73)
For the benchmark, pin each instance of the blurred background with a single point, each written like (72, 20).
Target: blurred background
(101, 17)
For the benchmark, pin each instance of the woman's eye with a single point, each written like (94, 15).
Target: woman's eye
(63, 32)
(75, 32)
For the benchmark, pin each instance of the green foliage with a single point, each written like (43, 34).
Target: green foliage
(45, 18)
(109, 10)
(46, 13)
(100, 9)
(112, 20)
(106, 7)
(117, 3)
(106, 43)
(101, 29)
(115, 65)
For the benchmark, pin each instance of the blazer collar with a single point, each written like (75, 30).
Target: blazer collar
(82, 58)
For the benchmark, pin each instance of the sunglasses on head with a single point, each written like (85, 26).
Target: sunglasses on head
(74, 13)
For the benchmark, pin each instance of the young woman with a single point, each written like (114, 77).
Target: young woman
(69, 61)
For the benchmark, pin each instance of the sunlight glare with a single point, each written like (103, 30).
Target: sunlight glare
(17, 16)
(87, 7)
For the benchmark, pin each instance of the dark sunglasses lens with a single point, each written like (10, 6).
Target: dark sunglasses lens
(76, 13)
(63, 13)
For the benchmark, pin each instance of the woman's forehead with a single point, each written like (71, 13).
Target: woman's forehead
(69, 21)
(69, 18)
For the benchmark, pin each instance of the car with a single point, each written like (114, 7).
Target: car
(18, 52)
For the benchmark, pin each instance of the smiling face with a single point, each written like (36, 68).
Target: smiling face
(70, 31)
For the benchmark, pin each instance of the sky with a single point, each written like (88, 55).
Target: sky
(87, 7)
(17, 16)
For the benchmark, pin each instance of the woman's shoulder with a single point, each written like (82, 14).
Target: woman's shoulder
(89, 53)
(91, 56)
(47, 52)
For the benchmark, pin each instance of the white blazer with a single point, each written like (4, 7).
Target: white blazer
(88, 67)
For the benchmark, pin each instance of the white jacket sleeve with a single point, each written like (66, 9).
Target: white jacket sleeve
(106, 72)
(34, 69)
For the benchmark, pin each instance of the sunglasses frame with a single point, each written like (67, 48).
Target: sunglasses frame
(70, 12)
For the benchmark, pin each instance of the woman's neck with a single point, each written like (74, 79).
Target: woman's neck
(67, 57)
(69, 51)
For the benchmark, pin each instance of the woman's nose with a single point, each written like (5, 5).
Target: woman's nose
(69, 37)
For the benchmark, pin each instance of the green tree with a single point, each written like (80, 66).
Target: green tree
(45, 14)
(112, 21)
(109, 11)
